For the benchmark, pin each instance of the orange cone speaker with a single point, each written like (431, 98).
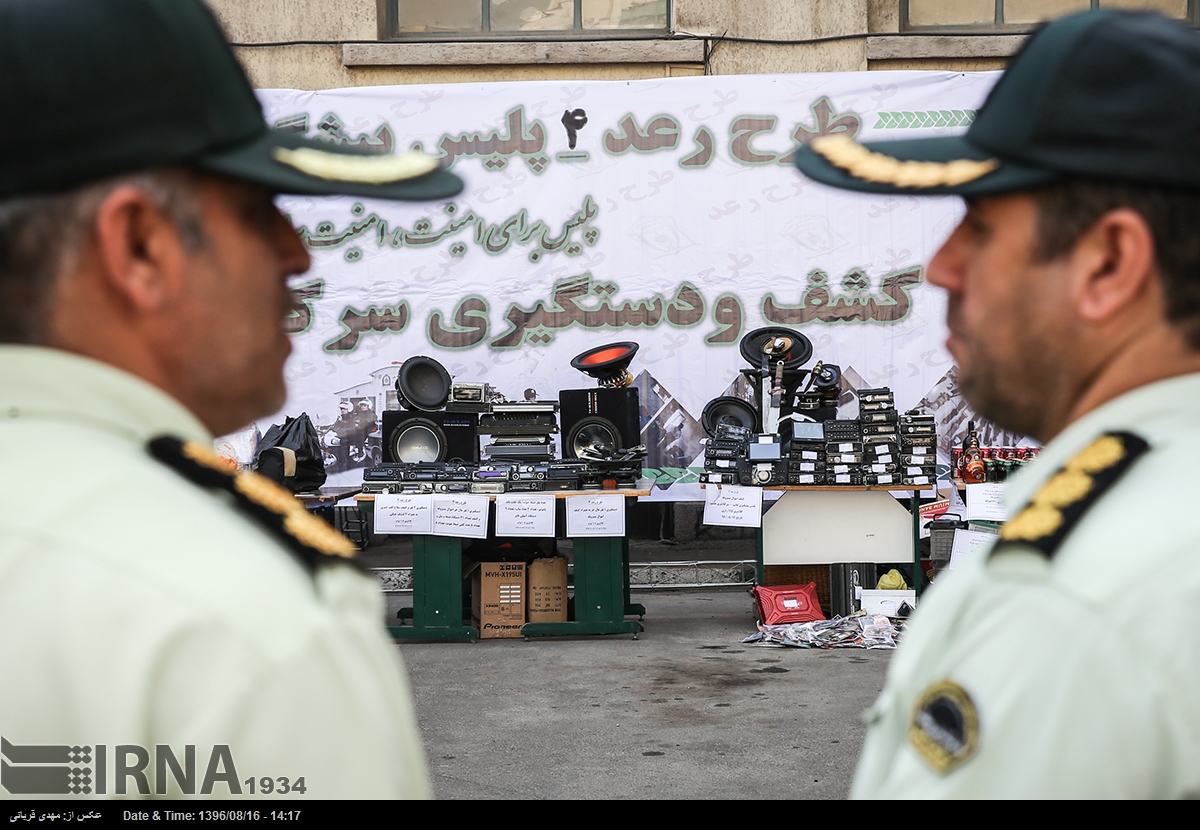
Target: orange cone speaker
(608, 364)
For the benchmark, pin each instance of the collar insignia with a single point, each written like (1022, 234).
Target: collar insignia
(272, 505)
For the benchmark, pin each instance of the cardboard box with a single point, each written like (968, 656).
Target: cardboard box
(498, 598)
(547, 590)
(887, 602)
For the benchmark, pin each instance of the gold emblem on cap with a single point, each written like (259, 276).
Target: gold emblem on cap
(1099, 455)
(1032, 523)
(845, 153)
(340, 167)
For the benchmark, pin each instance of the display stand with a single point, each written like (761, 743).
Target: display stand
(849, 523)
(602, 599)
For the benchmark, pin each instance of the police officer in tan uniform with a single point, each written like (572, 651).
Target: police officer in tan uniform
(1064, 663)
(152, 600)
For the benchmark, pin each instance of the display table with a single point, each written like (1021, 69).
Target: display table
(601, 585)
(818, 525)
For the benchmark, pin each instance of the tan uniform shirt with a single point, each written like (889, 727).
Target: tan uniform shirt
(140, 609)
(1082, 670)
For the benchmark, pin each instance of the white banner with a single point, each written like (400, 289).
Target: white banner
(665, 212)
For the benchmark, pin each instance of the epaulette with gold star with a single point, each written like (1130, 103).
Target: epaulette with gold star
(269, 503)
(1061, 502)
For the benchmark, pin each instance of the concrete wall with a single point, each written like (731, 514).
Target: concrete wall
(323, 44)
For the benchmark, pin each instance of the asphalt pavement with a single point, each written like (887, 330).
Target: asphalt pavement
(685, 710)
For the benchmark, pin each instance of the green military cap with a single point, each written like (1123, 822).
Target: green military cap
(1107, 94)
(99, 88)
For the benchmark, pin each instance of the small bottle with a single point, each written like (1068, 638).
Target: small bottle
(974, 471)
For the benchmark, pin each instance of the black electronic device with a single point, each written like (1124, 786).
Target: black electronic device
(422, 384)
(601, 420)
(430, 436)
(839, 431)
(731, 411)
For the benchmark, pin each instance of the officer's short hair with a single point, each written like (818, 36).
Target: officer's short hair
(40, 236)
(1067, 209)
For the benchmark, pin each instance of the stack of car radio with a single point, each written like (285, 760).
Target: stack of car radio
(494, 477)
(881, 447)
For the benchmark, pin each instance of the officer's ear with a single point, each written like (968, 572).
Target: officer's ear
(1114, 267)
(138, 248)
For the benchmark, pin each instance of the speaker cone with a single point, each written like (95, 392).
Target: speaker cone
(754, 344)
(607, 364)
(728, 410)
(418, 440)
(423, 384)
(593, 437)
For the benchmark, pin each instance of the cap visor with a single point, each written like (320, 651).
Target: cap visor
(882, 174)
(347, 172)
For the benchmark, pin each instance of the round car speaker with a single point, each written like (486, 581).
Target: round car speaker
(593, 437)
(422, 383)
(728, 410)
(418, 440)
(608, 364)
(829, 377)
(797, 355)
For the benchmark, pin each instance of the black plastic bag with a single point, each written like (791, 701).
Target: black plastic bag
(290, 453)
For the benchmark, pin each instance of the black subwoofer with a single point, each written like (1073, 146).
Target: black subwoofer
(430, 436)
(606, 419)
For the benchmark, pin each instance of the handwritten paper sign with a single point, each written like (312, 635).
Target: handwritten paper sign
(733, 506)
(395, 513)
(968, 544)
(598, 515)
(525, 515)
(461, 515)
(986, 501)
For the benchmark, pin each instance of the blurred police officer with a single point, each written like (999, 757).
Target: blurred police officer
(1064, 663)
(149, 597)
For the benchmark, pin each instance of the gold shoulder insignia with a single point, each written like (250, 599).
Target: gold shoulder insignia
(272, 505)
(1061, 502)
(945, 726)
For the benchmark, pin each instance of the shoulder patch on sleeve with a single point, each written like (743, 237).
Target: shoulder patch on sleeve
(312, 540)
(1061, 502)
(945, 726)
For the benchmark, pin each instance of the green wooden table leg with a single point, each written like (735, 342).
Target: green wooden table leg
(437, 611)
(918, 573)
(601, 579)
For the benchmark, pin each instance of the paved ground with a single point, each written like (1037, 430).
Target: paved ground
(684, 711)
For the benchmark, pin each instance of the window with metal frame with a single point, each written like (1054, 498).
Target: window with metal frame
(978, 15)
(523, 19)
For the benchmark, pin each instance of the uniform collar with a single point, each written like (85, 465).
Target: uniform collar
(1154, 412)
(53, 384)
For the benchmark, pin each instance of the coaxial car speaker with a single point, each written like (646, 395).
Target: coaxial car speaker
(592, 438)
(412, 437)
(756, 343)
(599, 417)
(609, 364)
(728, 410)
(423, 384)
